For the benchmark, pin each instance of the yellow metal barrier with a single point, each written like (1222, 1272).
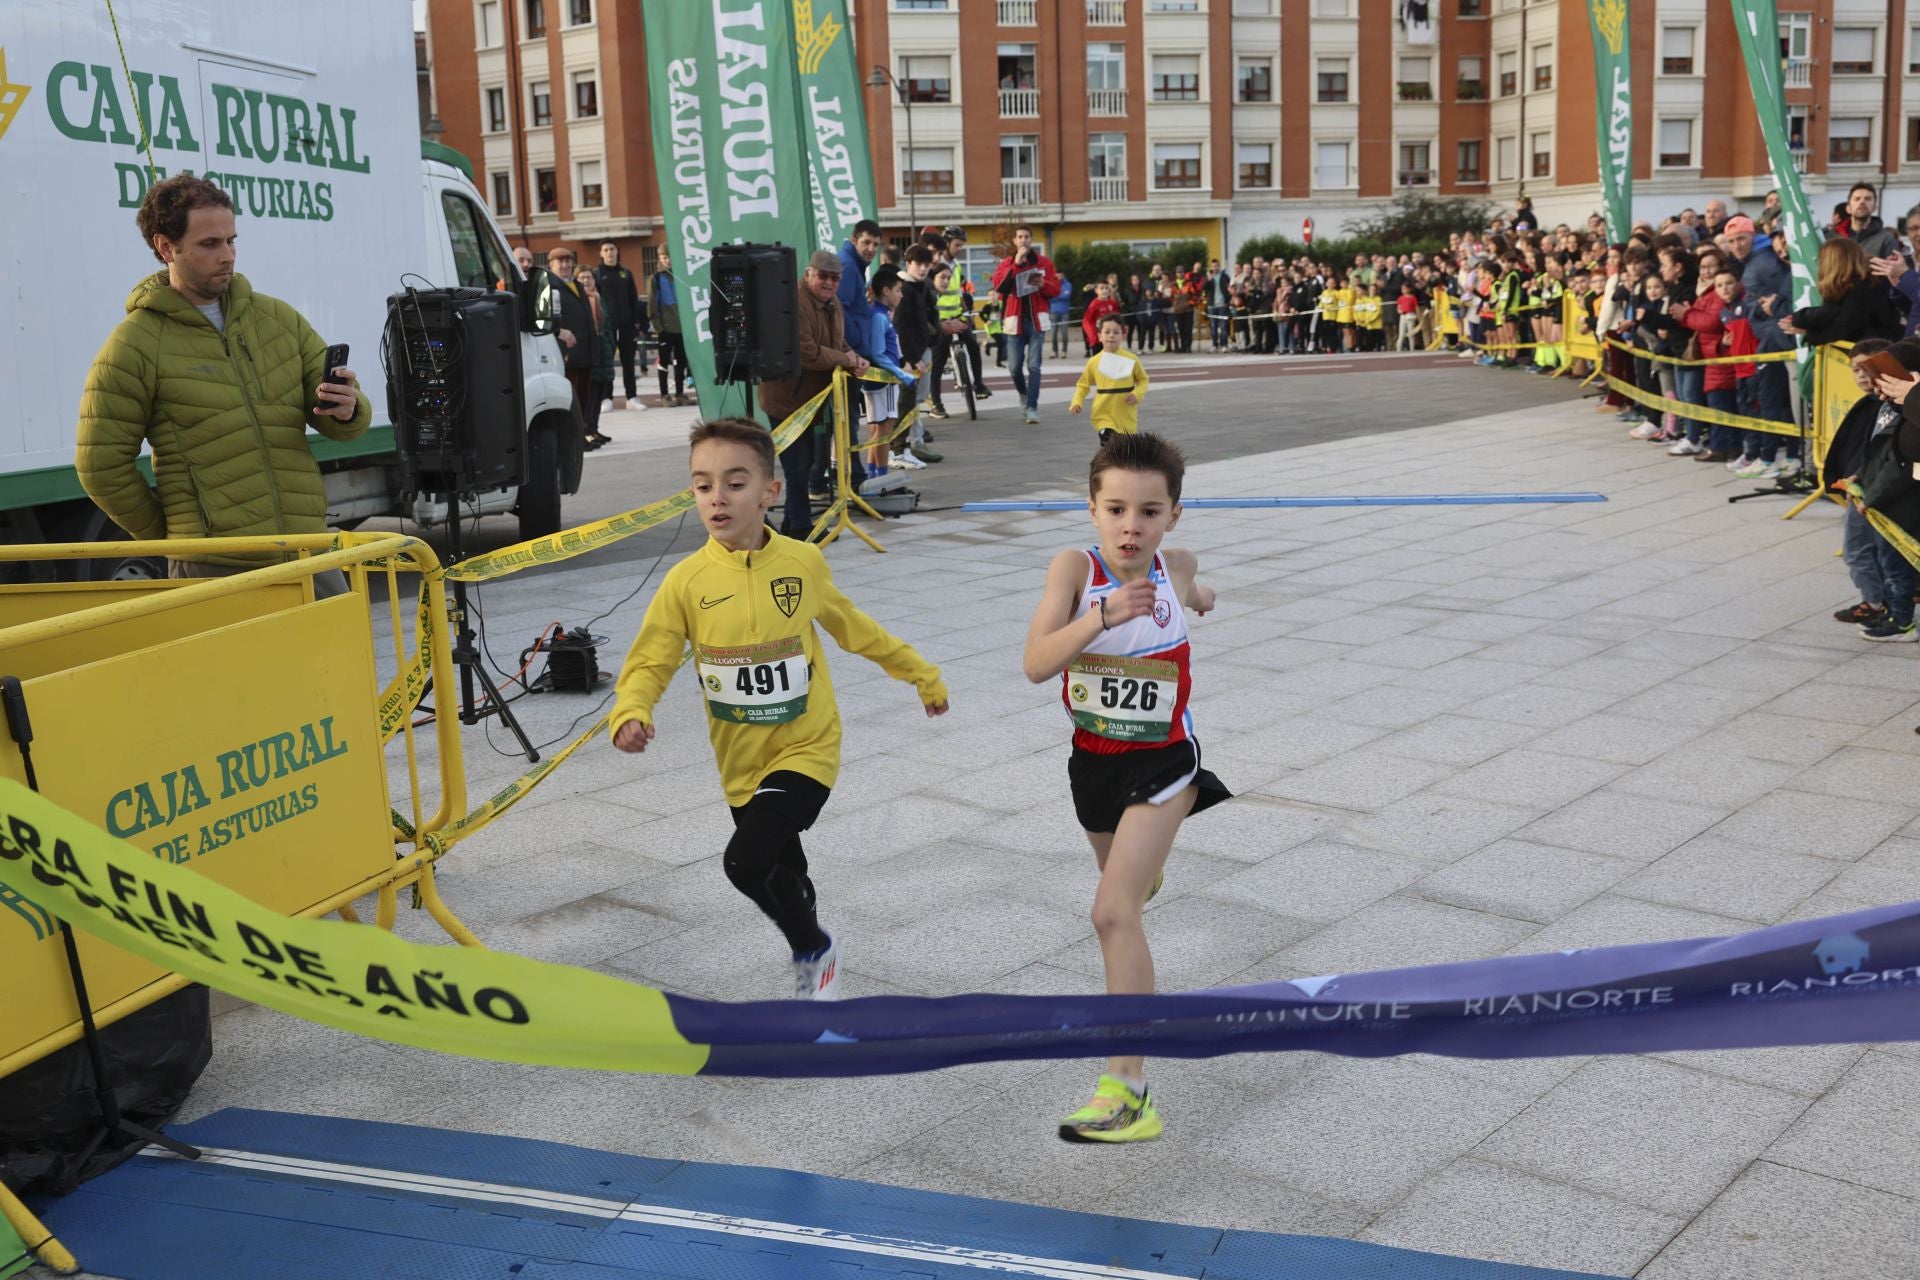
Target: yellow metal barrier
(229, 722)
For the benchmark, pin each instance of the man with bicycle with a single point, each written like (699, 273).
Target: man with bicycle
(956, 307)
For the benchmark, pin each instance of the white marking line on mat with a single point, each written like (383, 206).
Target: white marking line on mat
(664, 1216)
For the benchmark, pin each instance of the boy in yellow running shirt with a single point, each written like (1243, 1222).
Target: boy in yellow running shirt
(747, 603)
(1118, 380)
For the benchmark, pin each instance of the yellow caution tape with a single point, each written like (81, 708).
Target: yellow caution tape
(1700, 412)
(404, 691)
(1758, 357)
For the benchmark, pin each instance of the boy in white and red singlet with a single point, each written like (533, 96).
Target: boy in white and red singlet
(1112, 624)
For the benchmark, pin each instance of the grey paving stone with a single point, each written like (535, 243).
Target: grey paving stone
(1781, 1224)
(1433, 827)
(1300, 742)
(560, 875)
(968, 942)
(1489, 628)
(1709, 873)
(1474, 676)
(1472, 1209)
(1535, 779)
(1321, 880)
(1866, 1130)
(1613, 921)
(1364, 1132)
(1543, 648)
(1395, 706)
(903, 888)
(1523, 880)
(1395, 933)
(1622, 826)
(1008, 786)
(1459, 740)
(892, 827)
(1825, 826)
(1252, 828)
(1202, 1191)
(1047, 831)
(1330, 681)
(1801, 740)
(1693, 704)
(1808, 1070)
(1621, 739)
(581, 932)
(1360, 629)
(1362, 780)
(1861, 775)
(1890, 873)
(1416, 652)
(1644, 1131)
(1538, 705)
(1197, 942)
(1732, 782)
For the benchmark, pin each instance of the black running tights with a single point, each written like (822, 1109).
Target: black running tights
(764, 859)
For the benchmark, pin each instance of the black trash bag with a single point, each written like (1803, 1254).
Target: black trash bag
(48, 1112)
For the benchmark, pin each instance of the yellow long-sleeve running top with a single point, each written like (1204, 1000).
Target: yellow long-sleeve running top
(1109, 383)
(749, 616)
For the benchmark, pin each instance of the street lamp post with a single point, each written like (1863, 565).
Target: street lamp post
(880, 79)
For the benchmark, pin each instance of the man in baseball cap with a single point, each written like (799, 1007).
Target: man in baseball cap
(823, 348)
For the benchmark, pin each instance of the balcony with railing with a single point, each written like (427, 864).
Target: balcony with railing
(1106, 13)
(1799, 155)
(1414, 90)
(1106, 102)
(1470, 90)
(1799, 73)
(1019, 102)
(1111, 189)
(1418, 177)
(1018, 193)
(1018, 13)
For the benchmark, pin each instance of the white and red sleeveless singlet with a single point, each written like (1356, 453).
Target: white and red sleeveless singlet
(1133, 713)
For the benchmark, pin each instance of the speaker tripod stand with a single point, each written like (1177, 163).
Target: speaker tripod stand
(466, 654)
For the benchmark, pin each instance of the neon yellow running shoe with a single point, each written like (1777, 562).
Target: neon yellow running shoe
(1116, 1114)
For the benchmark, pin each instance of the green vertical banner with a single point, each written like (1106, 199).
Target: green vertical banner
(839, 164)
(1613, 132)
(720, 88)
(1758, 25)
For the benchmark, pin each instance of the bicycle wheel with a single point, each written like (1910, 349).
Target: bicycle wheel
(965, 371)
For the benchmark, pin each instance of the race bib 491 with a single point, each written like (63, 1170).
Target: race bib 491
(755, 684)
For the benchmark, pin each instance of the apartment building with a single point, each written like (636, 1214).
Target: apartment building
(548, 98)
(1146, 121)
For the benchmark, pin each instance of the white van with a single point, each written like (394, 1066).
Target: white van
(306, 115)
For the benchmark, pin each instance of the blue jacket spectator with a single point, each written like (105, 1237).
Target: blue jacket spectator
(1062, 305)
(1767, 273)
(854, 302)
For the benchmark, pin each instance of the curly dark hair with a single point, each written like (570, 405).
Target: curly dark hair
(168, 202)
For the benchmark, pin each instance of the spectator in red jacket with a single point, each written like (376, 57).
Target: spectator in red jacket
(1026, 283)
(1104, 304)
(1703, 317)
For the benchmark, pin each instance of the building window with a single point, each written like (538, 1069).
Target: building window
(1330, 80)
(1176, 77)
(1176, 166)
(1416, 164)
(1506, 155)
(926, 171)
(1330, 167)
(1796, 35)
(1913, 50)
(487, 29)
(496, 110)
(1542, 155)
(1253, 79)
(1913, 139)
(1471, 86)
(1107, 155)
(592, 194)
(910, 5)
(536, 19)
(1252, 8)
(1416, 79)
(1173, 6)
(1542, 67)
(1850, 140)
(1509, 74)
(1472, 9)
(579, 12)
(586, 95)
(1676, 144)
(1254, 161)
(928, 79)
(1106, 66)
(546, 191)
(502, 184)
(1853, 51)
(1015, 63)
(542, 98)
(1020, 157)
(1467, 161)
(1676, 51)
(1330, 8)
(1796, 128)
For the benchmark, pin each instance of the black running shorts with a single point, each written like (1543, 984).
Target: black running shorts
(1104, 786)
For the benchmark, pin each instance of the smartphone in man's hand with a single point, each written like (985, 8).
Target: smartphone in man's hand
(336, 359)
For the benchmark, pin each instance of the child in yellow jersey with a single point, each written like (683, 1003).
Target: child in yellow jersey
(747, 603)
(1118, 381)
(1366, 318)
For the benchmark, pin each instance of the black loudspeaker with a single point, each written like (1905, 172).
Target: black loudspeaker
(756, 324)
(455, 391)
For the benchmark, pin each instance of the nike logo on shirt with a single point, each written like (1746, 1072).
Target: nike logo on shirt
(708, 604)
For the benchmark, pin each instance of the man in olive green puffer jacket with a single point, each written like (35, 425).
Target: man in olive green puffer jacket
(223, 383)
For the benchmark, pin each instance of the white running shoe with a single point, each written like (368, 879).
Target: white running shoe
(1787, 467)
(1033, 418)
(1645, 431)
(819, 978)
(1739, 463)
(1684, 449)
(1754, 469)
(907, 461)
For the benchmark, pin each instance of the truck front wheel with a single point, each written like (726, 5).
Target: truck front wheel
(90, 524)
(539, 505)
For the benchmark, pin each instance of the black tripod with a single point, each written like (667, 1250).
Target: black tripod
(112, 1123)
(466, 655)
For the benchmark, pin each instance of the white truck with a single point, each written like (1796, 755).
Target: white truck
(306, 115)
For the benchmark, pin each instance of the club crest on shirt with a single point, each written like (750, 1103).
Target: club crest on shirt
(786, 594)
(1162, 613)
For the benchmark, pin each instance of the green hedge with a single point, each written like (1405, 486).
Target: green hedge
(1334, 252)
